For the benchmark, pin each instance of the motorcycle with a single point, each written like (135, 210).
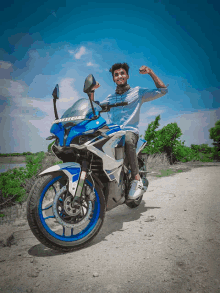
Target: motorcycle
(67, 204)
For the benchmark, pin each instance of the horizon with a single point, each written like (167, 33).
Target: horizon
(44, 44)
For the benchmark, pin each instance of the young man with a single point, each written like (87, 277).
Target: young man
(128, 116)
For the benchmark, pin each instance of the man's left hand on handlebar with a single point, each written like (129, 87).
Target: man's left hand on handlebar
(96, 86)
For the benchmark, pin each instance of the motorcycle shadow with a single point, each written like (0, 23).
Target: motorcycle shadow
(113, 222)
(115, 219)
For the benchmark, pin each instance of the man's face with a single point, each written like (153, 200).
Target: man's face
(120, 76)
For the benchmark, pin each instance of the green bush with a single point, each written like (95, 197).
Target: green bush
(163, 140)
(167, 140)
(12, 182)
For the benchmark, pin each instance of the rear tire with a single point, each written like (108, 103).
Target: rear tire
(39, 224)
(134, 203)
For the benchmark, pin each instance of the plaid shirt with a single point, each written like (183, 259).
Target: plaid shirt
(127, 117)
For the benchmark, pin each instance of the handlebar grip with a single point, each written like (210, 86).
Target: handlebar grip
(106, 107)
(120, 104)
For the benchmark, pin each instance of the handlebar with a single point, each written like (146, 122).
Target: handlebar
(106, 107)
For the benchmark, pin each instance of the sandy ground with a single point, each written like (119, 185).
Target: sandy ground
(170, 243)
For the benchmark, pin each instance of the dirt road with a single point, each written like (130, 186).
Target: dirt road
(170, 243)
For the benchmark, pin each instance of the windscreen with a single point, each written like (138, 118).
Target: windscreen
(81, 110)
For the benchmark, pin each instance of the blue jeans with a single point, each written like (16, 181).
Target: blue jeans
(131, 140)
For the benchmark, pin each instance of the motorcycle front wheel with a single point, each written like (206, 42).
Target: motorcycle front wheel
(57, 223)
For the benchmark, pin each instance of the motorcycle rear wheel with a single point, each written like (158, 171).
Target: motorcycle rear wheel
(44, 224)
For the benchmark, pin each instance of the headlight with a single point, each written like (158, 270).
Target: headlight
(80, 140)
(83, 139)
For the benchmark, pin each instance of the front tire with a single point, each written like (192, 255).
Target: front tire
(44, 224)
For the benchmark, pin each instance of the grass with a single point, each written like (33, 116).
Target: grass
(160, 163)
(168, 172)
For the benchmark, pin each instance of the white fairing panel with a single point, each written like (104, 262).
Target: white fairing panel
(59, 167)
(108, 156)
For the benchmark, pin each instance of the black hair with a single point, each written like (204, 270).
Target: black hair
(117, 66)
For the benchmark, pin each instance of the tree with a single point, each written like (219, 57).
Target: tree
(169, 136)
(163, 140)
(202, 148)
(214, 133)
(150, 133)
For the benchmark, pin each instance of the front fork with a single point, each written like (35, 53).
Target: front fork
(82, 178)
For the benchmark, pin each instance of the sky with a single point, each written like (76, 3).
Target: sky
(44, 43)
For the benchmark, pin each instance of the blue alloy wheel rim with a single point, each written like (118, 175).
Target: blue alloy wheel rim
(91, 225)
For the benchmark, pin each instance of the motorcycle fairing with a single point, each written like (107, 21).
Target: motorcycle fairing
(113, 128)
(140, 145)
(58, 129)
(72, 170)
(111, 165)
(82, 128)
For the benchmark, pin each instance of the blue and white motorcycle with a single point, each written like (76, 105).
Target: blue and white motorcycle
(67, 204)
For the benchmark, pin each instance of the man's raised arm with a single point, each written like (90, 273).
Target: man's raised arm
(150, 95)
(146, 70)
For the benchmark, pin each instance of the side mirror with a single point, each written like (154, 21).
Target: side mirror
(89, 83)
(56, 92)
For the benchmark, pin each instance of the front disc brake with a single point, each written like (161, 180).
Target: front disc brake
(70, 210)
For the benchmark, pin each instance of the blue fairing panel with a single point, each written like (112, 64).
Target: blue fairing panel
(58, 130)
(83, 127)
(140, 145)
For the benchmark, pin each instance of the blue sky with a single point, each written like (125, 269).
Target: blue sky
(45, 42)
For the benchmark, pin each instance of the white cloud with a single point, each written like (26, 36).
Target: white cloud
(151, 112)
(154, 111)
(67, 91)
(71, 51)
(13, 89)
(5, 65)
(91, 64)
(82, 51)
(28, 120)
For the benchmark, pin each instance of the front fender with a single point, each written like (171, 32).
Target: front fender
(72, 171)
(60, 167)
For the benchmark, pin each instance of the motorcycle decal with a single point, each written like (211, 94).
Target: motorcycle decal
(69, 119)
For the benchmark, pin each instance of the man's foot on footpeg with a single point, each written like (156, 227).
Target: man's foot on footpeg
(136, 190)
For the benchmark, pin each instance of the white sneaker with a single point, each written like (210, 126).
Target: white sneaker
(136, 190)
